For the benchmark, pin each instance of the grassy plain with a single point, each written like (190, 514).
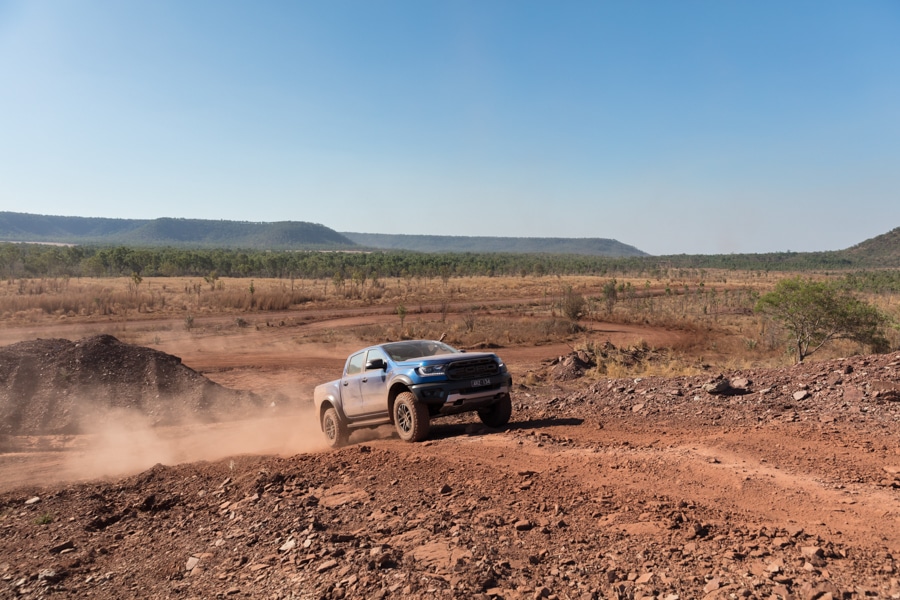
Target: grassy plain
(692, 320)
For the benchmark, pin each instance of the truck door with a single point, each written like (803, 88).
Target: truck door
(373, 383)
(351, 396)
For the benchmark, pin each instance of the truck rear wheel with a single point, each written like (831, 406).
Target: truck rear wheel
(411, 418)
(335, 431)
(497, 414)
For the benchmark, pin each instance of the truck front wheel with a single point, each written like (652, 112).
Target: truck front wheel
(497, 414)
(335, 431)
(411, 418)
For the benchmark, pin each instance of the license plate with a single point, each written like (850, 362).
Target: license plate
(480, 382)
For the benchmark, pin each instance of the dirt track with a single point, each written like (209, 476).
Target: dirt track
(610, 489)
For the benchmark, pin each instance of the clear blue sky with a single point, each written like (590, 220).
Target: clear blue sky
(676, 127)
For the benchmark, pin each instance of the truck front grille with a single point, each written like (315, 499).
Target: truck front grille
(472, 369)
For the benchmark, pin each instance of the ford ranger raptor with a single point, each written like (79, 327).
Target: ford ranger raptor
(407, 384)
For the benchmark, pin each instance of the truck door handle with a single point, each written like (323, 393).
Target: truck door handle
(346, 383)
(365, 379)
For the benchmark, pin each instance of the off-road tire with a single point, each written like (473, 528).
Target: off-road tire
(411, 418)
(497, 414)
(334, 429)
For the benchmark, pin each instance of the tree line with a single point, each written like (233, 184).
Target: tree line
(37, 260)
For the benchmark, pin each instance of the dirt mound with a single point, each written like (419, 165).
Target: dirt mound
(59, 386)
(578, 363)
(570, 367)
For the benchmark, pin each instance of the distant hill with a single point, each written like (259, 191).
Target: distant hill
(197, 233)
(350, 250)
(283, 235)
(448, 243)
(880, 251)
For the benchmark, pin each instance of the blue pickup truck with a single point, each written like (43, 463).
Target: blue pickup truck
(407, 384)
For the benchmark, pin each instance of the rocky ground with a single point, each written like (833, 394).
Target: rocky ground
(757, 484)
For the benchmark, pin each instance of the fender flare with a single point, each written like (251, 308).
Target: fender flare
(397, 386)
(330, 402)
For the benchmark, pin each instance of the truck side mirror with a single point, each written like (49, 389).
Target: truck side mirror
(377, 364)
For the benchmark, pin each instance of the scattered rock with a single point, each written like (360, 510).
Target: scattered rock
(718, 387)
(740, 383)
(59, 548)
(326, 566)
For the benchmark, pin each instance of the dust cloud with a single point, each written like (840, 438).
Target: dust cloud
(126, 444)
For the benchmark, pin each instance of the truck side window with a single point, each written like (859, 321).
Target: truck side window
(355, 365)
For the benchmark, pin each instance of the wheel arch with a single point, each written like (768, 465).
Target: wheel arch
(331, 403)
(397, 388)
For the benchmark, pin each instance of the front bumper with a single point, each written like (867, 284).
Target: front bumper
(452, 397)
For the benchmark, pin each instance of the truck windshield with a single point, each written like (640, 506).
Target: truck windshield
(400, 351)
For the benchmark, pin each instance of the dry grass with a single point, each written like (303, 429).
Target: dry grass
(473, 330)
(88, 297)
(711, 310)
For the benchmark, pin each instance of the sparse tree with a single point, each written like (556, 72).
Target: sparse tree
(445, 272)
(816, 313)
(610, 295)
(469, 319)
(358, 283)
(135, 284)
(573, 304)
(337, 281)
(401, 312)
(211, 279)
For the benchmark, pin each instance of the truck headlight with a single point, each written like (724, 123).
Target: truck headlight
(431, 370)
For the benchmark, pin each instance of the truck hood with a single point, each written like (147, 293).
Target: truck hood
(446, 358)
